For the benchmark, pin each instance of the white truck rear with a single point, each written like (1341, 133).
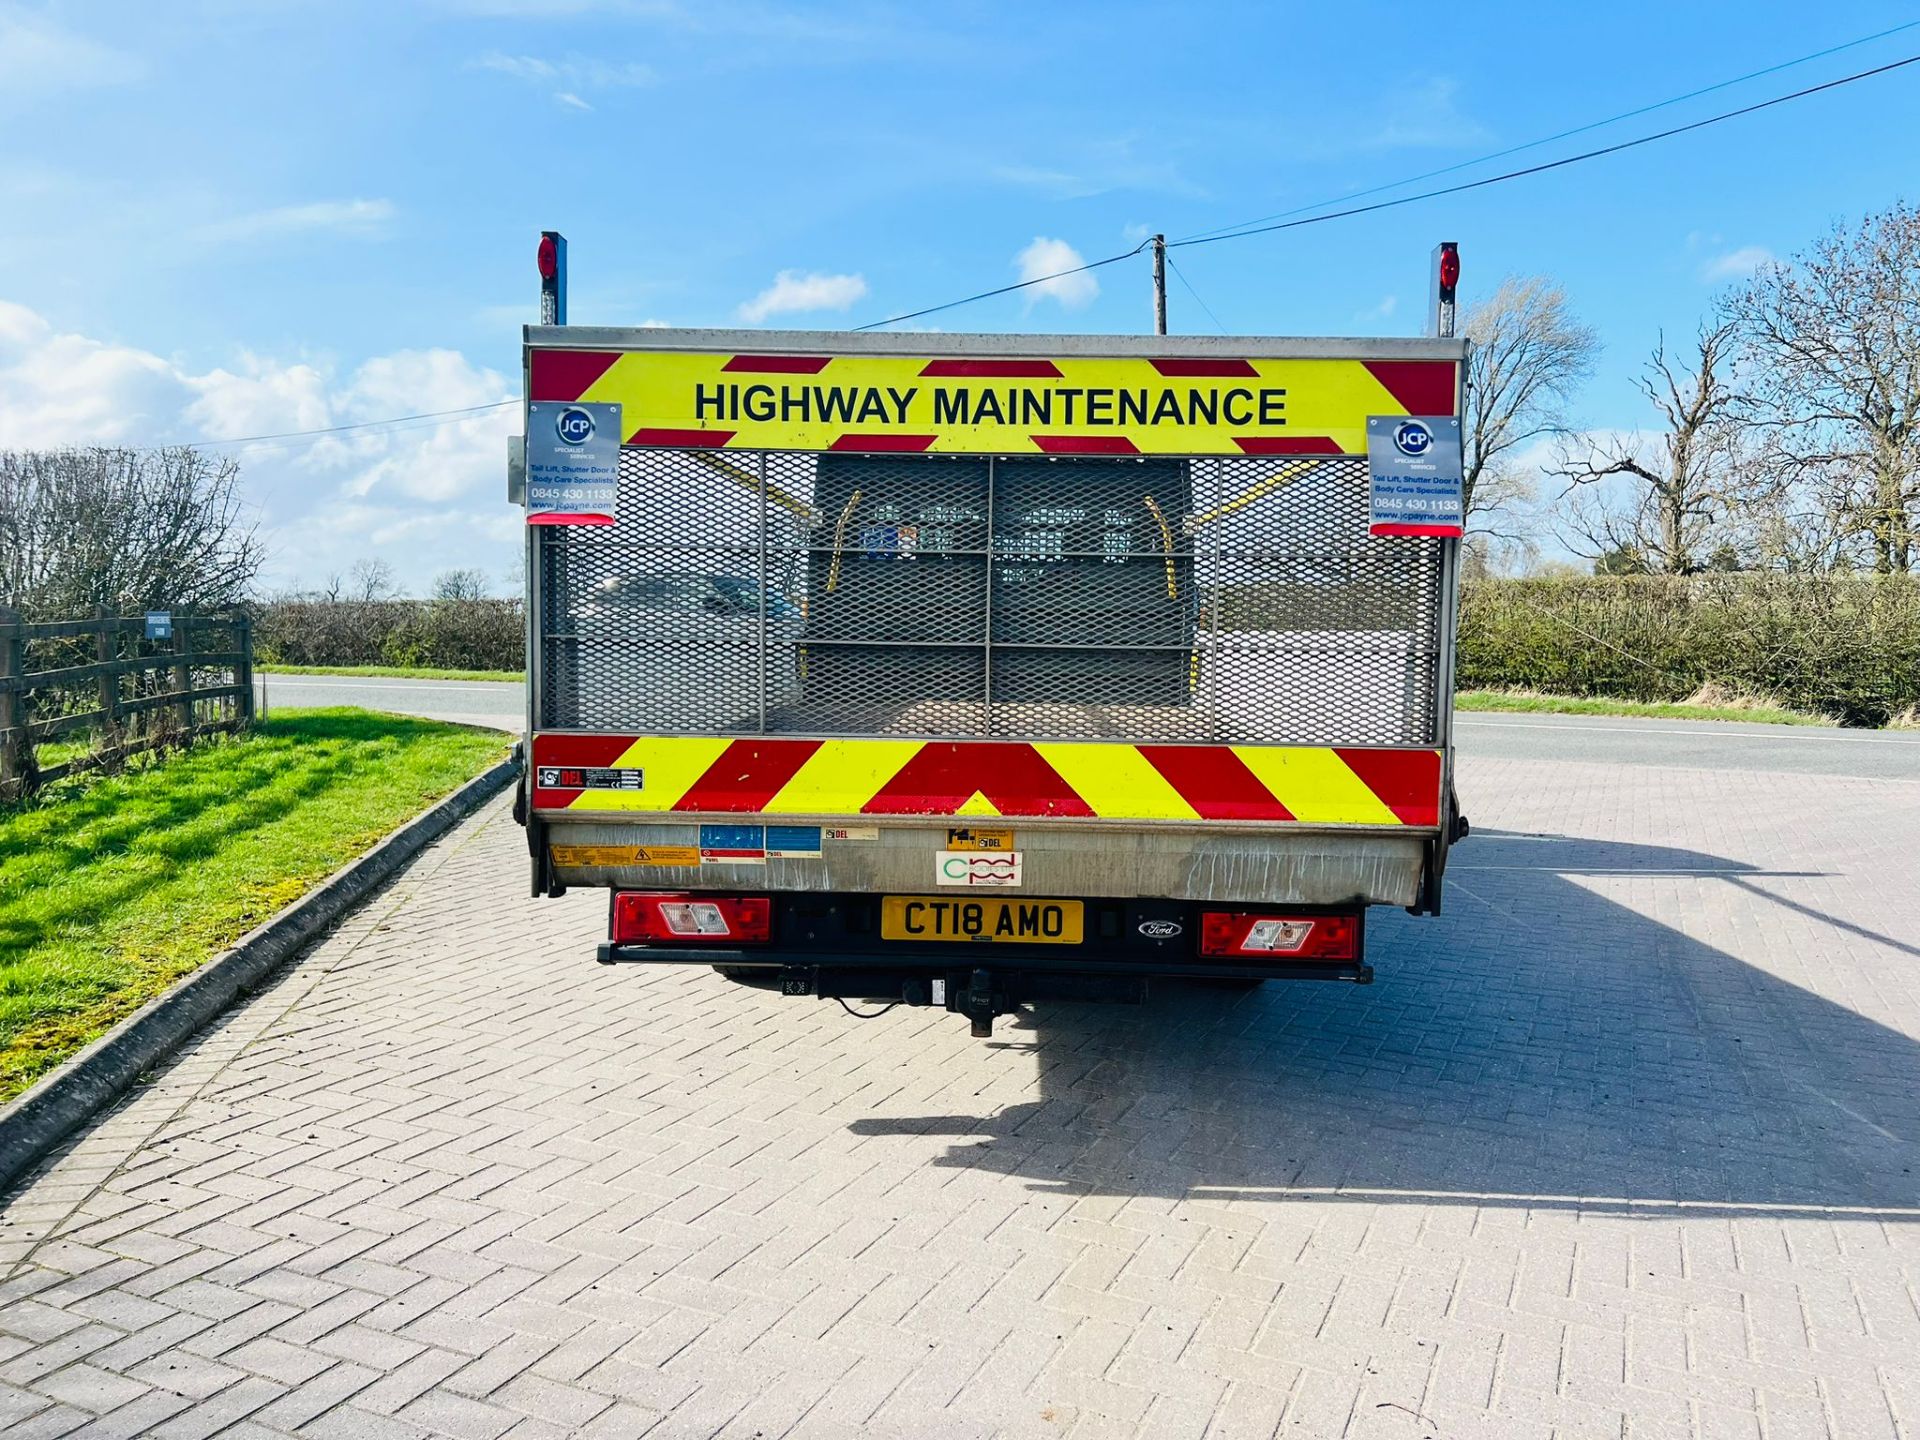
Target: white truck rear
(972, 670)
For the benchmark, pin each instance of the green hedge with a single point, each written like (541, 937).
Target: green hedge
(440, 634)
(1845, 646)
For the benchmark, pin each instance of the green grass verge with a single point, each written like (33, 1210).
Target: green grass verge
(392, 672)
(1527, 703)
(112, 887)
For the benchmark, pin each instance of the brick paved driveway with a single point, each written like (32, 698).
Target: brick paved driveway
(1624, 1145)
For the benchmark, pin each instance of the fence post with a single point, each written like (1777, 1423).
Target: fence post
(16, 750)
(106, 650)
(183, 672)
(243, 671)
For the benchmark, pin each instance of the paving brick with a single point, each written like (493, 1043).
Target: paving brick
(1623, 1145)
(87, 1387)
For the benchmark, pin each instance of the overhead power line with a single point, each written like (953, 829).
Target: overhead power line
(391, 420)
(1006, 289)
(1485, 181)
(1563, 134)
(1181, 275)
(1547, 165)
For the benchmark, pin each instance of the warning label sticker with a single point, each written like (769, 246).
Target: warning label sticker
(626, 855)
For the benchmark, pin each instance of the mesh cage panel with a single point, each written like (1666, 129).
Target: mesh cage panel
(1227, 600)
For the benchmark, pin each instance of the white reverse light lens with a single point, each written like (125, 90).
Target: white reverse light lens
(694, 918)
(1277, 935)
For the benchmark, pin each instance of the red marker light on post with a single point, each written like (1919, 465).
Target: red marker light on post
(1445, 272)
(552, 259)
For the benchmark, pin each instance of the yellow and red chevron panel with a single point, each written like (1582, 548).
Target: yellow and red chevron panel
(1072, 405)
(664, 775)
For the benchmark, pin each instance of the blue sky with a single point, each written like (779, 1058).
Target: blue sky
(220, 218)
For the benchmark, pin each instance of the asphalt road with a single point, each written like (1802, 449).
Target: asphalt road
(1680, 744)
(468, 702)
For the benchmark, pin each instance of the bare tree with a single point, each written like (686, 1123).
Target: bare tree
(1529, 356)
(1683, 488)
(125, 529)
(465, 584)
(1833, 340)
(370, 580)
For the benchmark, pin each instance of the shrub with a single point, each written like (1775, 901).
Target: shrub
(1841, 645)
(444, 634)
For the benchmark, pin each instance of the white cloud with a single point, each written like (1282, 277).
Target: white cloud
(1424, 117)
(38, 57)
(1737, 264)
(425, 496)
(342, 217)
(60, 389)
(1044, 261)
(795, 293)
(1383, 311)
(1101, 168)
(572, 78)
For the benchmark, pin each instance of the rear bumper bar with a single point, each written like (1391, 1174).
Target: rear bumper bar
(925, 963)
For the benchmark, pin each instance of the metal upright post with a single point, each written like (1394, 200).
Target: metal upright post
(762, 646)
(1159, 284)
(1443, 273)
(552, 256)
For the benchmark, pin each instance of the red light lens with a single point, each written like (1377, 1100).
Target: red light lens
(1449, 268)
(549, 257)
(1241, 934)
(646, 918)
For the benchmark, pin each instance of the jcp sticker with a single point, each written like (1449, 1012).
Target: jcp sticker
(977, 868)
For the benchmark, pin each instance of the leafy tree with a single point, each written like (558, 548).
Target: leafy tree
(1621, 561)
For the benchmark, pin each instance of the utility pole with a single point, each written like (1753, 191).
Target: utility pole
(1159, 284)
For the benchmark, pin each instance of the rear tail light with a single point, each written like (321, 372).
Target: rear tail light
(640, 918)
(1296, 937)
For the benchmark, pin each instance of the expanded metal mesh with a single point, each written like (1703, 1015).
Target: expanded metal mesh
(1229, 600)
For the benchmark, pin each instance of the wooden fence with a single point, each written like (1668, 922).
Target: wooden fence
(100, 691)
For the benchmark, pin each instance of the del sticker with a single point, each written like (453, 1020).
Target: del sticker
(976, 837)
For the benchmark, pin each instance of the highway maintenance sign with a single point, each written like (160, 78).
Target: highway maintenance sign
(991, 404)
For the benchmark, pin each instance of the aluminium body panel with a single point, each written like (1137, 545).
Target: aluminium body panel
(1310, 867)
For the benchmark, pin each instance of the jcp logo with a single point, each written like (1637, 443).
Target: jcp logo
(1410, 437)
(574, 426)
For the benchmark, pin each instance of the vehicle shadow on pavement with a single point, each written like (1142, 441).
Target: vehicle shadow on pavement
(1538, 1045)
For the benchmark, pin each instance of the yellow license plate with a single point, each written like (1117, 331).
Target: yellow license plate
(1024, 922)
